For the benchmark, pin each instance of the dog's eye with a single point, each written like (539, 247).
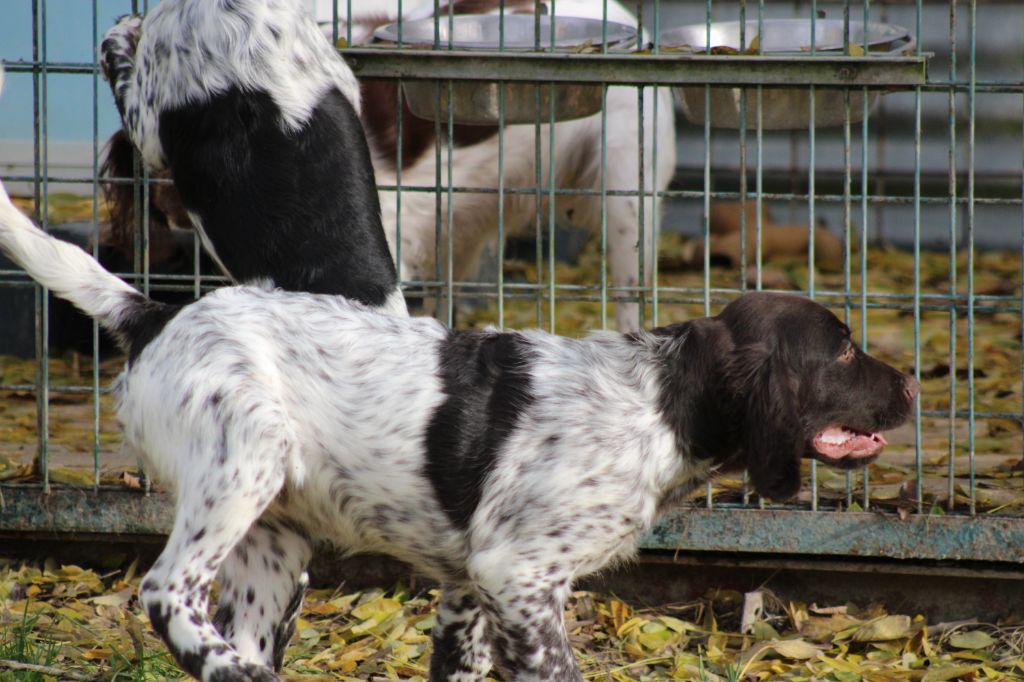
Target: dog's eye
(848, 353)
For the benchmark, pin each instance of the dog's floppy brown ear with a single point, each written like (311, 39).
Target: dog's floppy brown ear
(772, 437)
(119, 162)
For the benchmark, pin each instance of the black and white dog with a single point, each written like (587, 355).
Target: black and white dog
(256, 117)
(489, 460)
(626, 135)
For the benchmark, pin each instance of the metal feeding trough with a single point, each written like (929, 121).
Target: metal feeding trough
(782, 108)
(478, 102)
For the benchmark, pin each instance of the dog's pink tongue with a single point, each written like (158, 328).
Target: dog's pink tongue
(837, 442)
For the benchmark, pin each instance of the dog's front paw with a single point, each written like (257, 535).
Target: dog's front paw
(249, 672)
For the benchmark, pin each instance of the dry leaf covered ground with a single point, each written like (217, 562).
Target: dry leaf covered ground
(65, 622)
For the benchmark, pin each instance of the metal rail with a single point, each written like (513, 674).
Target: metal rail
(784, 531)
(647, 69)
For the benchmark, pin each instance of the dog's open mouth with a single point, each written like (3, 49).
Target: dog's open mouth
(839, 442)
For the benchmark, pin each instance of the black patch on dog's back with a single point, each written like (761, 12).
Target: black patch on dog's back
(144, 323)
(299, 208)
(488, 387)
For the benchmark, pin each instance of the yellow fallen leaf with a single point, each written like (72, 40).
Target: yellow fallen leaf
(73, 613)
(77, 477)
(677, 625)
(762, 630)
(309, 635)
(655, 640)
(630, 624)
(412, 637)
(717, 644)
(884, 629)
(967, 655)
(9, 469)
(620, 612)
(118, 599)
(828, 610)
(322, 609)
(377, 609)
(797, 649)
(972, 639)
(948, 672)
(362, 628)
(634, 651)
(425, 625)
(840, 665)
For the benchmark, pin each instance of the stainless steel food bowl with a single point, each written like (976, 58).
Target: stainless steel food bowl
(477, 102)
(483, 32)
(789, 35)
(782, 108)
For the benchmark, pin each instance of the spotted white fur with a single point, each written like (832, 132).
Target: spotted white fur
(274, 422)
(279, 420)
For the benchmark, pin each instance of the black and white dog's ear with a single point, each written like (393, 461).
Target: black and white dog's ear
(772, 437)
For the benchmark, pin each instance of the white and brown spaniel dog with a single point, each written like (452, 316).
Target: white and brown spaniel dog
(488, 460)
(251, 110)
(577, 164)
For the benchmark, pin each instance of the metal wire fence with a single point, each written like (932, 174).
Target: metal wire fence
(919, 177)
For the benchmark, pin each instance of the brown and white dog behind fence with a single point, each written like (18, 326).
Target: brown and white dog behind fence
(488, 460)
(577, 156)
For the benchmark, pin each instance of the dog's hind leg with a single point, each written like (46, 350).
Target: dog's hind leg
(262, 584)
(461, 650)
(524, 606)
(527, 628)
(217, 505)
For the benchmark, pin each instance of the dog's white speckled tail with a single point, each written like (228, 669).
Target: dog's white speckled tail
(67, 270)
(64, 268)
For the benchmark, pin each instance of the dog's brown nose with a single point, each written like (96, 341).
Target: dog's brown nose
(911, 387)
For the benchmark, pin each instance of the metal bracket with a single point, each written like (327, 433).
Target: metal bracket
(632, 69)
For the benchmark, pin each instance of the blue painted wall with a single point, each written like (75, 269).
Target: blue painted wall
(69, 38)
